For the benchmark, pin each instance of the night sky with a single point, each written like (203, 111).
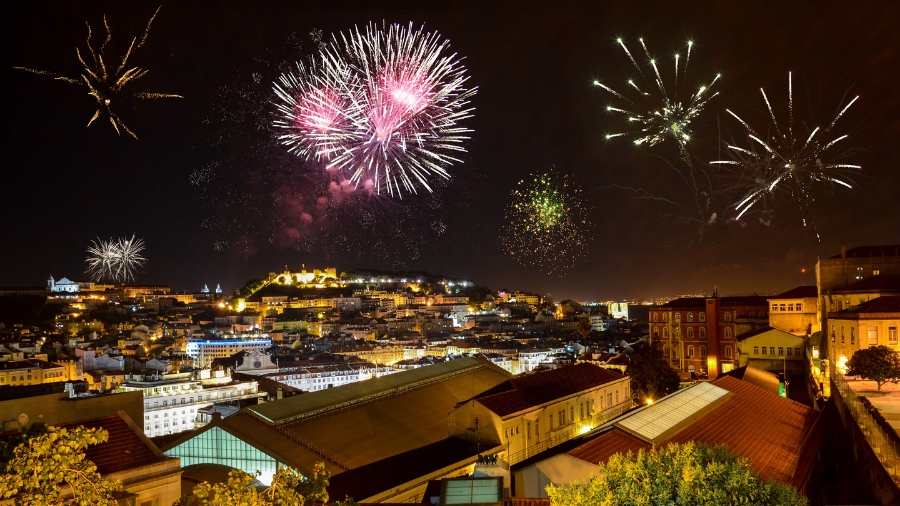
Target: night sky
(64, 185)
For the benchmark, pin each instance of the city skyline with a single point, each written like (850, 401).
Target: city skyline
(536, 106)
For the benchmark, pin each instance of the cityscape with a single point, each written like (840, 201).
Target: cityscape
(517, 254)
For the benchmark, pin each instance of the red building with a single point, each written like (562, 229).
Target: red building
(698, 334)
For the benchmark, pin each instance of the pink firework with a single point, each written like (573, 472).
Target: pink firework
(394, 117)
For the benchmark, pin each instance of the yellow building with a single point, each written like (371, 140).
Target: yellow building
(872, 323)
(381, 355)
(795, 311)
(31, 372)
(771, 350)
(531, 413)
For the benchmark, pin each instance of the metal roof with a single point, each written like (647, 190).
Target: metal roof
(300, 407)
(656, 422)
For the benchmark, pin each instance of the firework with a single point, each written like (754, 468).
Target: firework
(656, 112)
(547, 223)
(102, 261)
(384, 105)
(783, 162)
(108, 84)
(115, 259)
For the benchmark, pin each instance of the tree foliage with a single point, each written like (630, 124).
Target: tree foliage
(583, 327)
(877, 363)
(43, 464)
(678, 474)
(288, 488)
(651, 375)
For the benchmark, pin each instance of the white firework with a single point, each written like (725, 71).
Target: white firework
(115, 260)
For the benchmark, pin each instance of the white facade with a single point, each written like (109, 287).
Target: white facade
(171, 405)
(204, 351)
(311, 379)
(64, 285)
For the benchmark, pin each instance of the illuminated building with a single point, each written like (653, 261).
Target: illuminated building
(795, 311)
(172, 402)
(698, 334)
(771, 350)
(204, 351)
(31, 372)
(875, 322)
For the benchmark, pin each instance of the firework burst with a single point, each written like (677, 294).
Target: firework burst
(383, 105)
(783, 162)
(115, 259)
(547, 223)
(655, 112)
(106, 82)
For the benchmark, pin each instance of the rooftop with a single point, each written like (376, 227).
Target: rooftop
(871, 251)
(518, 394)
(798, 293)
(882, 282)
(884, 304)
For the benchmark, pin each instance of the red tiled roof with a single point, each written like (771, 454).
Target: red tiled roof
(518, 394)
(761, 426)
(798, 293)
(600, 449)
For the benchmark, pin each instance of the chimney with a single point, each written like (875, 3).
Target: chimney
(843, 251)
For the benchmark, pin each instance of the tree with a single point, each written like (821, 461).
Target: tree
(687, 473)
(44, 463)
(651, 376)
(288, 488)
(877, 363)
(583, 327)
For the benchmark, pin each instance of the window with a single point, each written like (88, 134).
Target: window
(666, 350)
(690, 317)
(702, 350)
(852, 336)
(727, 332)
(727, 316)
(690, 332)
(702, 332)
(728, 352)
(752, 314)
(790, 307)
(665, 333)
(774, 307)
(656, 332)
(892, 336)
(872, 334)
(789, 352)
(771, 350)
(691, 351)
(799, 307)
(609, 400)
(842, 334)
(797, 351)
(780, 351)
(702, 317)
(581, 410)
(528, 430)
(756, 350)
(665, 317)
(677, 317)
(655, 317)
(763, 350)
(571, 413)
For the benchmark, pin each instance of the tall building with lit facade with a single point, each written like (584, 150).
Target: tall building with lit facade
(698, 334)
(204, 351)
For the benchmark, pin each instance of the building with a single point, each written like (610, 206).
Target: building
(58, 403)
(172, 402)
(779, 437)
(771, 350)
(346, 427)
(698, 334)
(31, 372)
(204, 351)
(148, 477)
(796, 311)
(871, 323)
(64, 285)
(528, 413)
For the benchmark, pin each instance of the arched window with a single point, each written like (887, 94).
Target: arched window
(691, 351)
(690, 333)
(702, 350)
(702, 332)
(677, 317)
(690, 317)
(728, 352)
(702, 317)
(852, 337)
(752, 314)
(665, 333)
(656, 332)
(655, 317)
(727, 316)
(666, 350)
(665, 317)
(727, 332)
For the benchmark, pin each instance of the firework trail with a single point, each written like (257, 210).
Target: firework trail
(107, 82)
(382, 105)
(656, 112)
(783, 162)
(546, 224)
(115, 259)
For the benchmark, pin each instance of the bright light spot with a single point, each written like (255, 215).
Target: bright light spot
(649, 401)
